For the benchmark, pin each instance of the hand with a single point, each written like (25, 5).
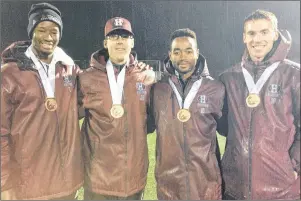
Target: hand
(147, 77)
(141, 67)
(296, 174)
(144, 74)
(8, 195)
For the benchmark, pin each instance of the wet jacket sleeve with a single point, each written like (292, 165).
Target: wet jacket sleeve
(222, 123)
(295, 148)
(80, 97)
(150, 112)
(7, 158)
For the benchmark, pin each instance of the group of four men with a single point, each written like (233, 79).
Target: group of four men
(255, 104)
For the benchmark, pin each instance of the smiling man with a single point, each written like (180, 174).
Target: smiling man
(40, 138)
(185, 105)
(262, 155)
(115, 151)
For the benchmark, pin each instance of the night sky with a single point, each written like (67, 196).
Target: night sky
(218, 25)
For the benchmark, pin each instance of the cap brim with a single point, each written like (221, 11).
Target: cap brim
(119, 29)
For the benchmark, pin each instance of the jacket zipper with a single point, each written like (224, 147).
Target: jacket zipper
(250, 158)
(250, 148)
(186, 165)
(186, 151)
(173, 105)
(57, 122)
(126, 146)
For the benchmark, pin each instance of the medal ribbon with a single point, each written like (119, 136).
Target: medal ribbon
(255, 88)
(190, 96)
(115, 87)
(46, 81)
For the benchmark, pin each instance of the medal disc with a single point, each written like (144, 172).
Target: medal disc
(117, 111)
(253, 100)
(51, 104)
(183, 115)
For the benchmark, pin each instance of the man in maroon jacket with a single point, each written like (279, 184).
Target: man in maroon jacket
(262, 116)
(114, 129)
(185, 105)
(40, 137)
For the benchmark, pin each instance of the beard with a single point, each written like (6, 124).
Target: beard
(183, 71)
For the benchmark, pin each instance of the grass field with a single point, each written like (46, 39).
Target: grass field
(150, 189)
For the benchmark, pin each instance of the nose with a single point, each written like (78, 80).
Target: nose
(119, 41)
(48, 37)
(257, 38)
(183, 55)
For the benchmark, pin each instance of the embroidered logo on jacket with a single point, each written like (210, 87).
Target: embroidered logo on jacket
(67, 80)
(202, 99)
(140, 87)
(202, 103)
(274, 92)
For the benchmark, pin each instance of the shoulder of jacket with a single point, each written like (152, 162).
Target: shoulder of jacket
(216, 83)
(88, 71)
(9, 68)
(291, 64)
(234, 68)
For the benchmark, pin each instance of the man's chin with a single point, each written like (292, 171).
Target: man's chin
(185, 70)
(44, 54)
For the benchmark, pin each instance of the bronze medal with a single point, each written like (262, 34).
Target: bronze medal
(117, 111)
(253, 100)
(51, 104)
(183, 115)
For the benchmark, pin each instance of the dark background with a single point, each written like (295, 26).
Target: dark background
(218, 25)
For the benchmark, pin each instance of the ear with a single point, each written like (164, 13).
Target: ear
(169, 54)
(276, 35)
(105, 44)
(132, 43)
(244, 38)
(198, 53)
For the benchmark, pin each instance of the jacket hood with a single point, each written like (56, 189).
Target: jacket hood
(16, 53)
(279, 51)
(201, 69)
(100, 57)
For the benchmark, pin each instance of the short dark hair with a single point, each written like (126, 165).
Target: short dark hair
(263, 14)
(183, 33)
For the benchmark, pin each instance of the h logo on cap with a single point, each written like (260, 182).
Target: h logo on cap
(118, 22)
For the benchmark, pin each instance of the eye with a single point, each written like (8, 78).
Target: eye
(265, 32)
(251, 33)
(176, 52)
(125, 36)
(113, 37)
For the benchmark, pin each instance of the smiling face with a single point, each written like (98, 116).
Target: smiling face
(259, 37)
(184, 54)
(119, 45)
(45, 39)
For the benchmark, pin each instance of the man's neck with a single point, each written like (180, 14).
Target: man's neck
(185, 76)
(42, 57)
(120, 63)
(118, 66)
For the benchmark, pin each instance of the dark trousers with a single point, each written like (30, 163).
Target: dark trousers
(228, 197)
(94, 196)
